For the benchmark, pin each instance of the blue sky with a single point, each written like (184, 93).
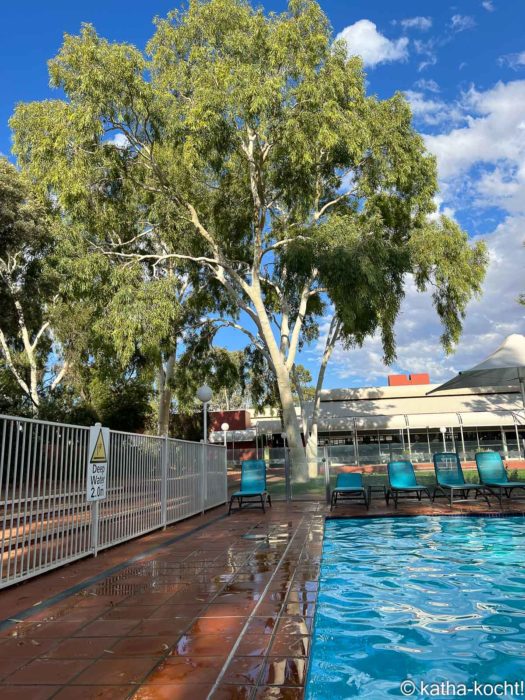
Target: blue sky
(462, 66)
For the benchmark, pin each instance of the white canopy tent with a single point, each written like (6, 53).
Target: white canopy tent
(505, 367)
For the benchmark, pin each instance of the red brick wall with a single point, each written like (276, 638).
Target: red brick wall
(408, 379)
(237, 420)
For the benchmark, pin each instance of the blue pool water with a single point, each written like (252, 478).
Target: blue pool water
(427, 599)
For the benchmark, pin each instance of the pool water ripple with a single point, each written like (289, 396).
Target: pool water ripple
(429, 599)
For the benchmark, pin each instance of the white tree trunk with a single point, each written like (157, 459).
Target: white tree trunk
(35, 399)
(311, 445)
(312, 451)
(283, 374)
(299, 466)
(166, 371)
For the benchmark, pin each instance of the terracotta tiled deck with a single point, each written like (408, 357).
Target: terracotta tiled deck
(213, 607)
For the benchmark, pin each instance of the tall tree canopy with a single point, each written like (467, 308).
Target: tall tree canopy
(243, 147)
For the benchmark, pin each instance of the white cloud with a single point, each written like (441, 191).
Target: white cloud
(430, 111)
(119, 141)
(488, 5)
(433, 111)
(421, 23)
(489, 320)
(493, 142)
(513, 60)
(460, 23)
(428, 50)
(363, 38)
(429, 85)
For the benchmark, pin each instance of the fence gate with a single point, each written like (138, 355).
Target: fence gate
(46, 518)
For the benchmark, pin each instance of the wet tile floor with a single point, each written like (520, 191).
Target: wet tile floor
(224, 611)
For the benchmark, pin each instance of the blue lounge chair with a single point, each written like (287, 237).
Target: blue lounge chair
(349, 487)
(493, 475)
(450, 478)
(402, 480)
(253, 485)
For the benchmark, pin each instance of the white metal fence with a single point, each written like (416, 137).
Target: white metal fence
(45, 517)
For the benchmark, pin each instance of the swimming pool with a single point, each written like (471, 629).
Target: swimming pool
(438, 601)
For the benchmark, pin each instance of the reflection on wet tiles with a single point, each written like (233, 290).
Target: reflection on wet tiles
(204, 645)
(186, 607)
(284, 671)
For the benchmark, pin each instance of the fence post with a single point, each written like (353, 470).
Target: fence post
(287, 475)
(94, 527)
(225, 474)
(326, 465)
(164, 483)
(203, 476)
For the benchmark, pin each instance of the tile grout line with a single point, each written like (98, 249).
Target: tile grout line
(252, 614)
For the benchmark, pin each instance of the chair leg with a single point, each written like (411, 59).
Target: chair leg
(262, 504)
(231, 503)
(451, 497)
(269, 500)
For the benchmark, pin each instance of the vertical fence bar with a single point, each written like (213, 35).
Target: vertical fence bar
(4, 473)
(407, 423)
(5, 533)
(517, 435)
(13, 497)
(326, 465)
(460, 420)
(94, 526)
(203, 477)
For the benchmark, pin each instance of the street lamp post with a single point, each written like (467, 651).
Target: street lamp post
(225, 427)
(204, 394)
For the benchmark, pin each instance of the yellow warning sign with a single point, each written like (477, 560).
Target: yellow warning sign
(99, 453)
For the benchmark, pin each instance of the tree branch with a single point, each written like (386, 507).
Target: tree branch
(298, 325)
(56, 381)
(11, 364)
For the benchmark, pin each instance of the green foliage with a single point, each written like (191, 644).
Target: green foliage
(203, 363)
(241, 156)
(121, 405)
(441, 257)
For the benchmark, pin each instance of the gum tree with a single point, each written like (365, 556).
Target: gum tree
(255, 157)
(27, 287)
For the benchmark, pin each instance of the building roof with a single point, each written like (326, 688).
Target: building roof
(399, 407)
(396, 407)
